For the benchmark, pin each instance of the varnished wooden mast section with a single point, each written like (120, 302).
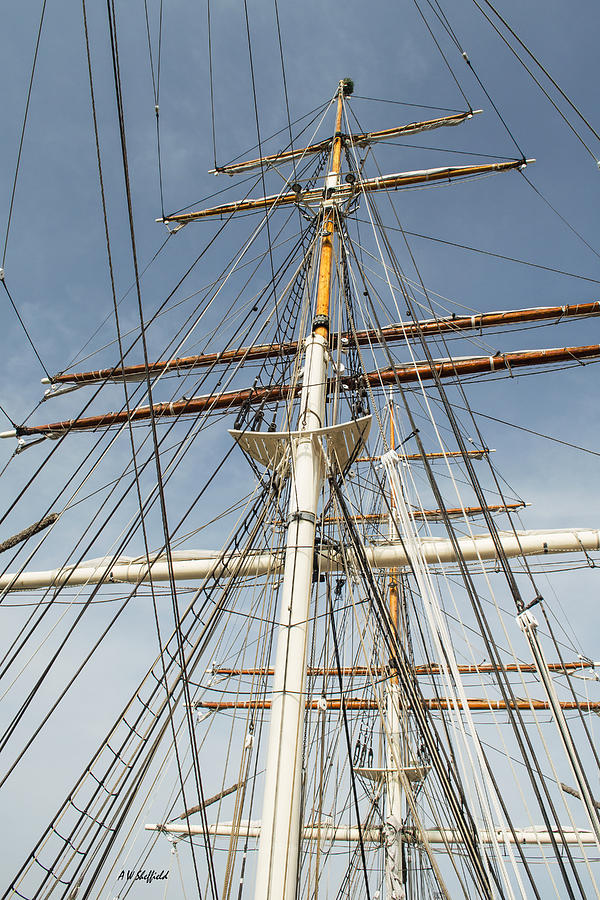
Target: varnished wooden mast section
(427, 669)
(347, 191)
(449, 454)
(402, 374)
(389, 334)
(452, 512)
(325, 265)
(433, 703)
(354, 140)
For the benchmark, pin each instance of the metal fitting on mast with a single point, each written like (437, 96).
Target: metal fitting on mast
(321, 321)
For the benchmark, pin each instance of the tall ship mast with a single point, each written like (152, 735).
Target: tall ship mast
(366, 687)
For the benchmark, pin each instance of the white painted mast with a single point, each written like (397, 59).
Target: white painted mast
(281, 825)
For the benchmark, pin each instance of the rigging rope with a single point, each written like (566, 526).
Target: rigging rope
(443, 55)
(404, 103)
(22, 138)
(537, 82)
(211, 83)
(560, 216)
(522, 262)
(465, 56)
(22, 323)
